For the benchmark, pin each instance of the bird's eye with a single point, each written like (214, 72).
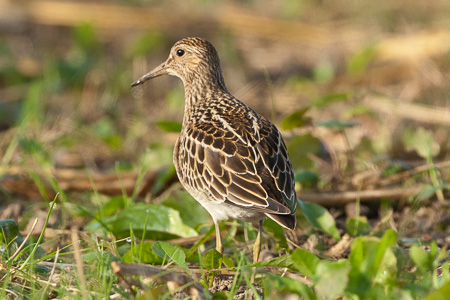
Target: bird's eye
(180, 52)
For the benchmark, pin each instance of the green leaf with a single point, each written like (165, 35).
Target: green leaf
(337, 125)
(228, 262)
(284, 261)
(112, 206)
(281, 285)
(169, 126)
(421, 258)
(369, 257)
(320, 218)
(358, 226)
(332, 278)
(300, 147)
(305, 262)
(276, 232)
(306, 178)
(164, 222)
(212, 259)
(330, 98)
(296, 119)
(171, 252)
(190, 210)
(142, 253)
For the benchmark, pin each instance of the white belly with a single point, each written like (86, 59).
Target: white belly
(224, 211)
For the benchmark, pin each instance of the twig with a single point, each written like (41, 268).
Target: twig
(341, 198)
(59, 266)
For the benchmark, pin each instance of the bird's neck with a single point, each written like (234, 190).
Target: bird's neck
(199, 92)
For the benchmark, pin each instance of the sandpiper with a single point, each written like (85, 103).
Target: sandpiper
(232, 160)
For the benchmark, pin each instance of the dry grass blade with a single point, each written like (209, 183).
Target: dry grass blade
(409, 173)
(79, 263)
(24, 241)
(52, 272)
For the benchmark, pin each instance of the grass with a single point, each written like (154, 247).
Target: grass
(78, 147)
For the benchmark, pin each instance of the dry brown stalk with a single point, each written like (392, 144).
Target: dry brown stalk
(341, 198)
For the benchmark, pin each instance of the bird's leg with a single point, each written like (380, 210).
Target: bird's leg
(257, 245)
(219, 245)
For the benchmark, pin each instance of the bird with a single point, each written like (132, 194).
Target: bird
(231, 159)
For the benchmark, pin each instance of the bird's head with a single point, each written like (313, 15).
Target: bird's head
(190, 59)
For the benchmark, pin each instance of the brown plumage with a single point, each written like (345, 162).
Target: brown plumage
(232, 160)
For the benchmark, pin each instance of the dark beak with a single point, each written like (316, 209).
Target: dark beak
(158, 71)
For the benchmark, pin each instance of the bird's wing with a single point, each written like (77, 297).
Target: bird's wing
(243, 167)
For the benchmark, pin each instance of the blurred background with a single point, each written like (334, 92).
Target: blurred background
(359, 89)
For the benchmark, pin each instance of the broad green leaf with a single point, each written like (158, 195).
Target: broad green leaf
(320, 218)
(163, 222)
(300, 147)
(228, 262)
(358, 226)
(142, 253)
(284, 261)
(112, 206)
(332, 278)
(359, 280)
(296, 119)
(169, 126)
(325, 100)
(276, 232)
(282, 285)
(305, 262)
(191, 212)
(421, 258)
(388, 239)
(335, 124)
(212, 259)
(171, 252)
(367, 258)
